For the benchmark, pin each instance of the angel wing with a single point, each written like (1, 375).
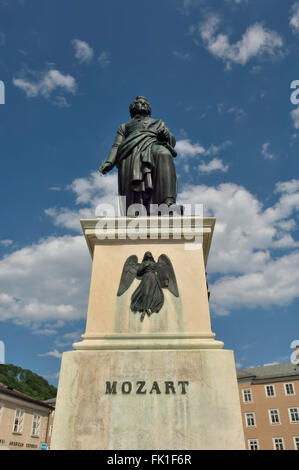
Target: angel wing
(166, 274)
(128, 275)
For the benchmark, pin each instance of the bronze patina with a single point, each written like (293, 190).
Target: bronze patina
(143, 152)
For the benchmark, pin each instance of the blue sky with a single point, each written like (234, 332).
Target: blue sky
(219, 74)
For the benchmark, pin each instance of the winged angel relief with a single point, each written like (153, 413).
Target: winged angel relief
(148, 298)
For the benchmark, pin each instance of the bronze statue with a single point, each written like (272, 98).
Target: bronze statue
(143, 152)
(148, 298)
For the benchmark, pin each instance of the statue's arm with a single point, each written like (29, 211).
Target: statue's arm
(111, 159)
(166, 135)
(171, 139)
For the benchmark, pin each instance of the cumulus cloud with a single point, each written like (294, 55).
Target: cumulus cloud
(294, 20)
(187, 149)
(83, 51)
(276, 284)
(54, 353)
(45, 83)
(247, 237)
(45, 282)
(96, 191)
(256, 42)
(216, 164)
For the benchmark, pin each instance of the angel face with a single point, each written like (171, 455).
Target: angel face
(148, 256)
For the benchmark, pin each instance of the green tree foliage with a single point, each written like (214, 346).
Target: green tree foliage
(27, 382)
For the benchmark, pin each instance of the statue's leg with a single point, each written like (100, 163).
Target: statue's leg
(164, 176)
(125, 190)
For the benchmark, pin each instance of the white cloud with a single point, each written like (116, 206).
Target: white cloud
(83, 51)
(215, 149)
(294, 20)
(245, 242)
(185, 148)
(44, 331)
(266, 151)
(45, 83)
(257, 41)
(288, 187)
(275, 285)
(45, 282)
(6, 242)
(215, 164)
(295, 117)
(54, 353)
(103, 59)
(95, 191)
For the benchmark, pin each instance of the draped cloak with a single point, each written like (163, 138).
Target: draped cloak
(146, 172)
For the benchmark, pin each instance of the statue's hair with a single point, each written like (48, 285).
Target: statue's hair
(133, 106)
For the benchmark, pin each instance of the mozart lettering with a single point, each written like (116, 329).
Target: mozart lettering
(141, 387)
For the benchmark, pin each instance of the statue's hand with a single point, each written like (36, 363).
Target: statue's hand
(105, 167)
(163, 135)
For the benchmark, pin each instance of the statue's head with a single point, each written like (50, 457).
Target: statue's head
(140, 106)
(148, 256)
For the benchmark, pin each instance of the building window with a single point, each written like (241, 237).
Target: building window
(253, 444)
(294, 415)
(247, 395)
(274, 417)
(278, 443)
(36, 425)
(296, 442)
(270, 391)
(19, 422)
(289, 389)
(250, 420)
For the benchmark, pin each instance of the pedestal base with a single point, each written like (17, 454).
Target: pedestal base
(148, 400)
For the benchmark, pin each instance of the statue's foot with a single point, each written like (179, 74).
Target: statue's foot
(176, 209)
(168, 207)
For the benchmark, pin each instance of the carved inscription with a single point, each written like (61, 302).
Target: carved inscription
(140, 387)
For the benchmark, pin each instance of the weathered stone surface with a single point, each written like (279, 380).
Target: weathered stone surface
(206, 416)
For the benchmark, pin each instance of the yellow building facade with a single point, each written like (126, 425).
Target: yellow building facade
(269, 398)
(24, 421)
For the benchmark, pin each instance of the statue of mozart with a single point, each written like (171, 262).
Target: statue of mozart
(143, 153)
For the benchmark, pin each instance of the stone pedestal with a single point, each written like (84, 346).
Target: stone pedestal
(160, 383)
